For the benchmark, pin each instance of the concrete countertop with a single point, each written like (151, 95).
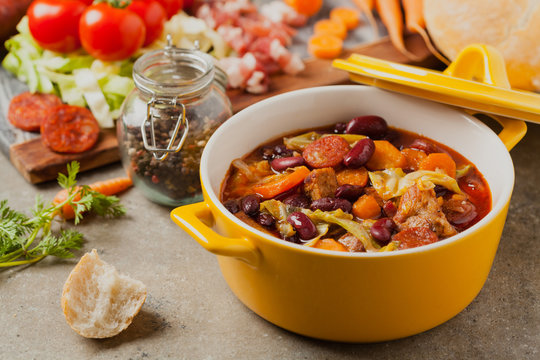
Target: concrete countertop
(190, 313)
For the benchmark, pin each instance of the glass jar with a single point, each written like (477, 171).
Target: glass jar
(166, 121)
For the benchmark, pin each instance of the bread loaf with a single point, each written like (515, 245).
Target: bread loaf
(97, 301)
(511, 26)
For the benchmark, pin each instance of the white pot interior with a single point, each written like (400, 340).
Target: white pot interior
(315, 107)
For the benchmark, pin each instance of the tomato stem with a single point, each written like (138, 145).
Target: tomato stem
(119, 4)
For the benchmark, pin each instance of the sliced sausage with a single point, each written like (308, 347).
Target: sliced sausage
(27, 111)
(327, 151)
(70, 129)
(414, 237)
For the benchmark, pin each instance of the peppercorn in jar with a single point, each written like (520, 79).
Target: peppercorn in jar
(178, 102)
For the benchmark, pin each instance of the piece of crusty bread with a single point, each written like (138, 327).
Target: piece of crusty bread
(511, 26)
(98, 302)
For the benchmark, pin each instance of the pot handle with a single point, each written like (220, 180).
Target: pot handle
(191, 217)
(486, 64)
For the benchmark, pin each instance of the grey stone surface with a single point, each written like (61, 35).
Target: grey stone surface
(190, 312)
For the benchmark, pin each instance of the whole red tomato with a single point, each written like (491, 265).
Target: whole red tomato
(54, 24)
(172, 7)
(87, 2)
(153, 16)
(109, 33)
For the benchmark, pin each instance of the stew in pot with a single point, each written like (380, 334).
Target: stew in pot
(357, 186)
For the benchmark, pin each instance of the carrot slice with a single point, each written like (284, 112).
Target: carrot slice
(386, 156)
(329, 244)
(325, 46)
(439, 161)
(106, 187)
(330, 27)
(357, 177)
(305, 7)
(277, 184)
(392, 18)
(348, 16)
(366, 207)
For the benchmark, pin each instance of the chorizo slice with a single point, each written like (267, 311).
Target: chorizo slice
(327, 151)
(27, 110)
(414, 237)
(70, 129)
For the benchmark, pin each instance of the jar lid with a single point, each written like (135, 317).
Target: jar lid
(176, 72)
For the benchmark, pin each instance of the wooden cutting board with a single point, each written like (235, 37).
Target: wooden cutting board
(37, 163)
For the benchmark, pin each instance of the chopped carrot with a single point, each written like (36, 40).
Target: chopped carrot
(366, 6)
(348, 16)
(329, 244)
(439, 161)
(352, 176)
(366, 207)
(305, 7)
(330, 27)
(386, 156)
(392, 18)
(106, 187)
(325, 46)
(276, 184)
(414, 158)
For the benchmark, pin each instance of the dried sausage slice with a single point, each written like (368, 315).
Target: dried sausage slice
(327, 151)
(27, 111)
(70, 129)
(414, 237)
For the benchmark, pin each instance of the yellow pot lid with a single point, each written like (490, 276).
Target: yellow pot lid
(476, 80)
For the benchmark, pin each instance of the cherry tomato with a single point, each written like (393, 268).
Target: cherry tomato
(87, 2)
(172, 7)
(153, 16)
(54, 24)
(109, 33)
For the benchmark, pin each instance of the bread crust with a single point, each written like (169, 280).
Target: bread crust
(97, 301)
(511, 26)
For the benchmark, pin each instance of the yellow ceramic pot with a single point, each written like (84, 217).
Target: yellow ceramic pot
(352, 297)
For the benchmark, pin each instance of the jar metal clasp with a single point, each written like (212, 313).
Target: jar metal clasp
(181, 123)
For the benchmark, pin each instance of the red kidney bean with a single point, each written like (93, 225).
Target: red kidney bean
(331, 204)
(297, 200)
(359, 154)
(369, 125)
(349, 192)
(282, 151)
(232, 205)
(340, 127)
(382, 229)
(294, 239)
(424, 145)
(283, 163)
(303, 225)
(250, 205)
(389, 209)
(265, 219)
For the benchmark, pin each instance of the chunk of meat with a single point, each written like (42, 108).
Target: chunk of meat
(321, 183)
(420, 208)
(352, 243)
